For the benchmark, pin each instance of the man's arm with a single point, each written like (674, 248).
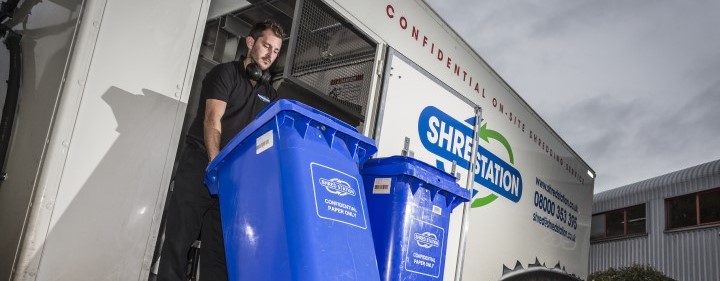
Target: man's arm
(214, 110)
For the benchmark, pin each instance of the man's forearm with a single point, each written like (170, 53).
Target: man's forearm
(212, 140)
(212, 126)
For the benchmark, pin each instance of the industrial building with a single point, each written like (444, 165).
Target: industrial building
(670, 222)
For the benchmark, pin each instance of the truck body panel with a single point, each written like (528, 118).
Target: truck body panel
(109, 87)
(100, 187)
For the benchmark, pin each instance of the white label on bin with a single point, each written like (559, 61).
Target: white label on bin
(264, 142)
(437, 210)
(338, 196)
(425, 248)
(382, 186)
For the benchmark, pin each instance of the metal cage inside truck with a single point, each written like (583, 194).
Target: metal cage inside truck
(108, 89)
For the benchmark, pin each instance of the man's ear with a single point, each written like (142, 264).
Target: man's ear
(249, 41)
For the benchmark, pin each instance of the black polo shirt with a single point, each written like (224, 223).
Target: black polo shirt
(228, 82)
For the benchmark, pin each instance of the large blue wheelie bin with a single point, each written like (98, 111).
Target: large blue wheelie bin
(410, 204)
(292, 201)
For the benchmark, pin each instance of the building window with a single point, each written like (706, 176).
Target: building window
(701, 208)
(628, 221)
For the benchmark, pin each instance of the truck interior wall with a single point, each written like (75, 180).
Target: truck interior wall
(47, 36)
(220, 8)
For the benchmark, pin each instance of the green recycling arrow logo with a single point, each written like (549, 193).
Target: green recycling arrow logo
(487, 134)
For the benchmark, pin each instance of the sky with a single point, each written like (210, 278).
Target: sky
(632, 86)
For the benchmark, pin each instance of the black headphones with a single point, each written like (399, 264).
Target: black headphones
(255, 73)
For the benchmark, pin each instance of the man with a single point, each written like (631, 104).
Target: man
(232, 95)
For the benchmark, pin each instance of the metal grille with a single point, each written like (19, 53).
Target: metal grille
(332, 57)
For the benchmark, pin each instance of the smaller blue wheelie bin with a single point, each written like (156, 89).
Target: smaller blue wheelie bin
(410, 204)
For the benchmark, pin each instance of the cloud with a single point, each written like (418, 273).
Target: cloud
(632, 86)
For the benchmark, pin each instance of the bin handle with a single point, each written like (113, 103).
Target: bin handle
(305, 107)
(323, 114)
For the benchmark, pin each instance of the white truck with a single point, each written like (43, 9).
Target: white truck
(109, 87)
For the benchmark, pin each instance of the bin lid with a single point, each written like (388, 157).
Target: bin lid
(402, 165)
(273, 110)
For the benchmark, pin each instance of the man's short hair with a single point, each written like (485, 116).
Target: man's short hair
(260, 27)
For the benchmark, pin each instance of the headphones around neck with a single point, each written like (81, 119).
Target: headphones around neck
(255, 73)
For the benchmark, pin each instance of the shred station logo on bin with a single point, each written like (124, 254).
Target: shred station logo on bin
(451, 139)
(337, 186)
(338, 196)
(427, 240)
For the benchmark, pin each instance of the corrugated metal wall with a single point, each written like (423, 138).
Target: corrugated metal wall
(685, 255)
